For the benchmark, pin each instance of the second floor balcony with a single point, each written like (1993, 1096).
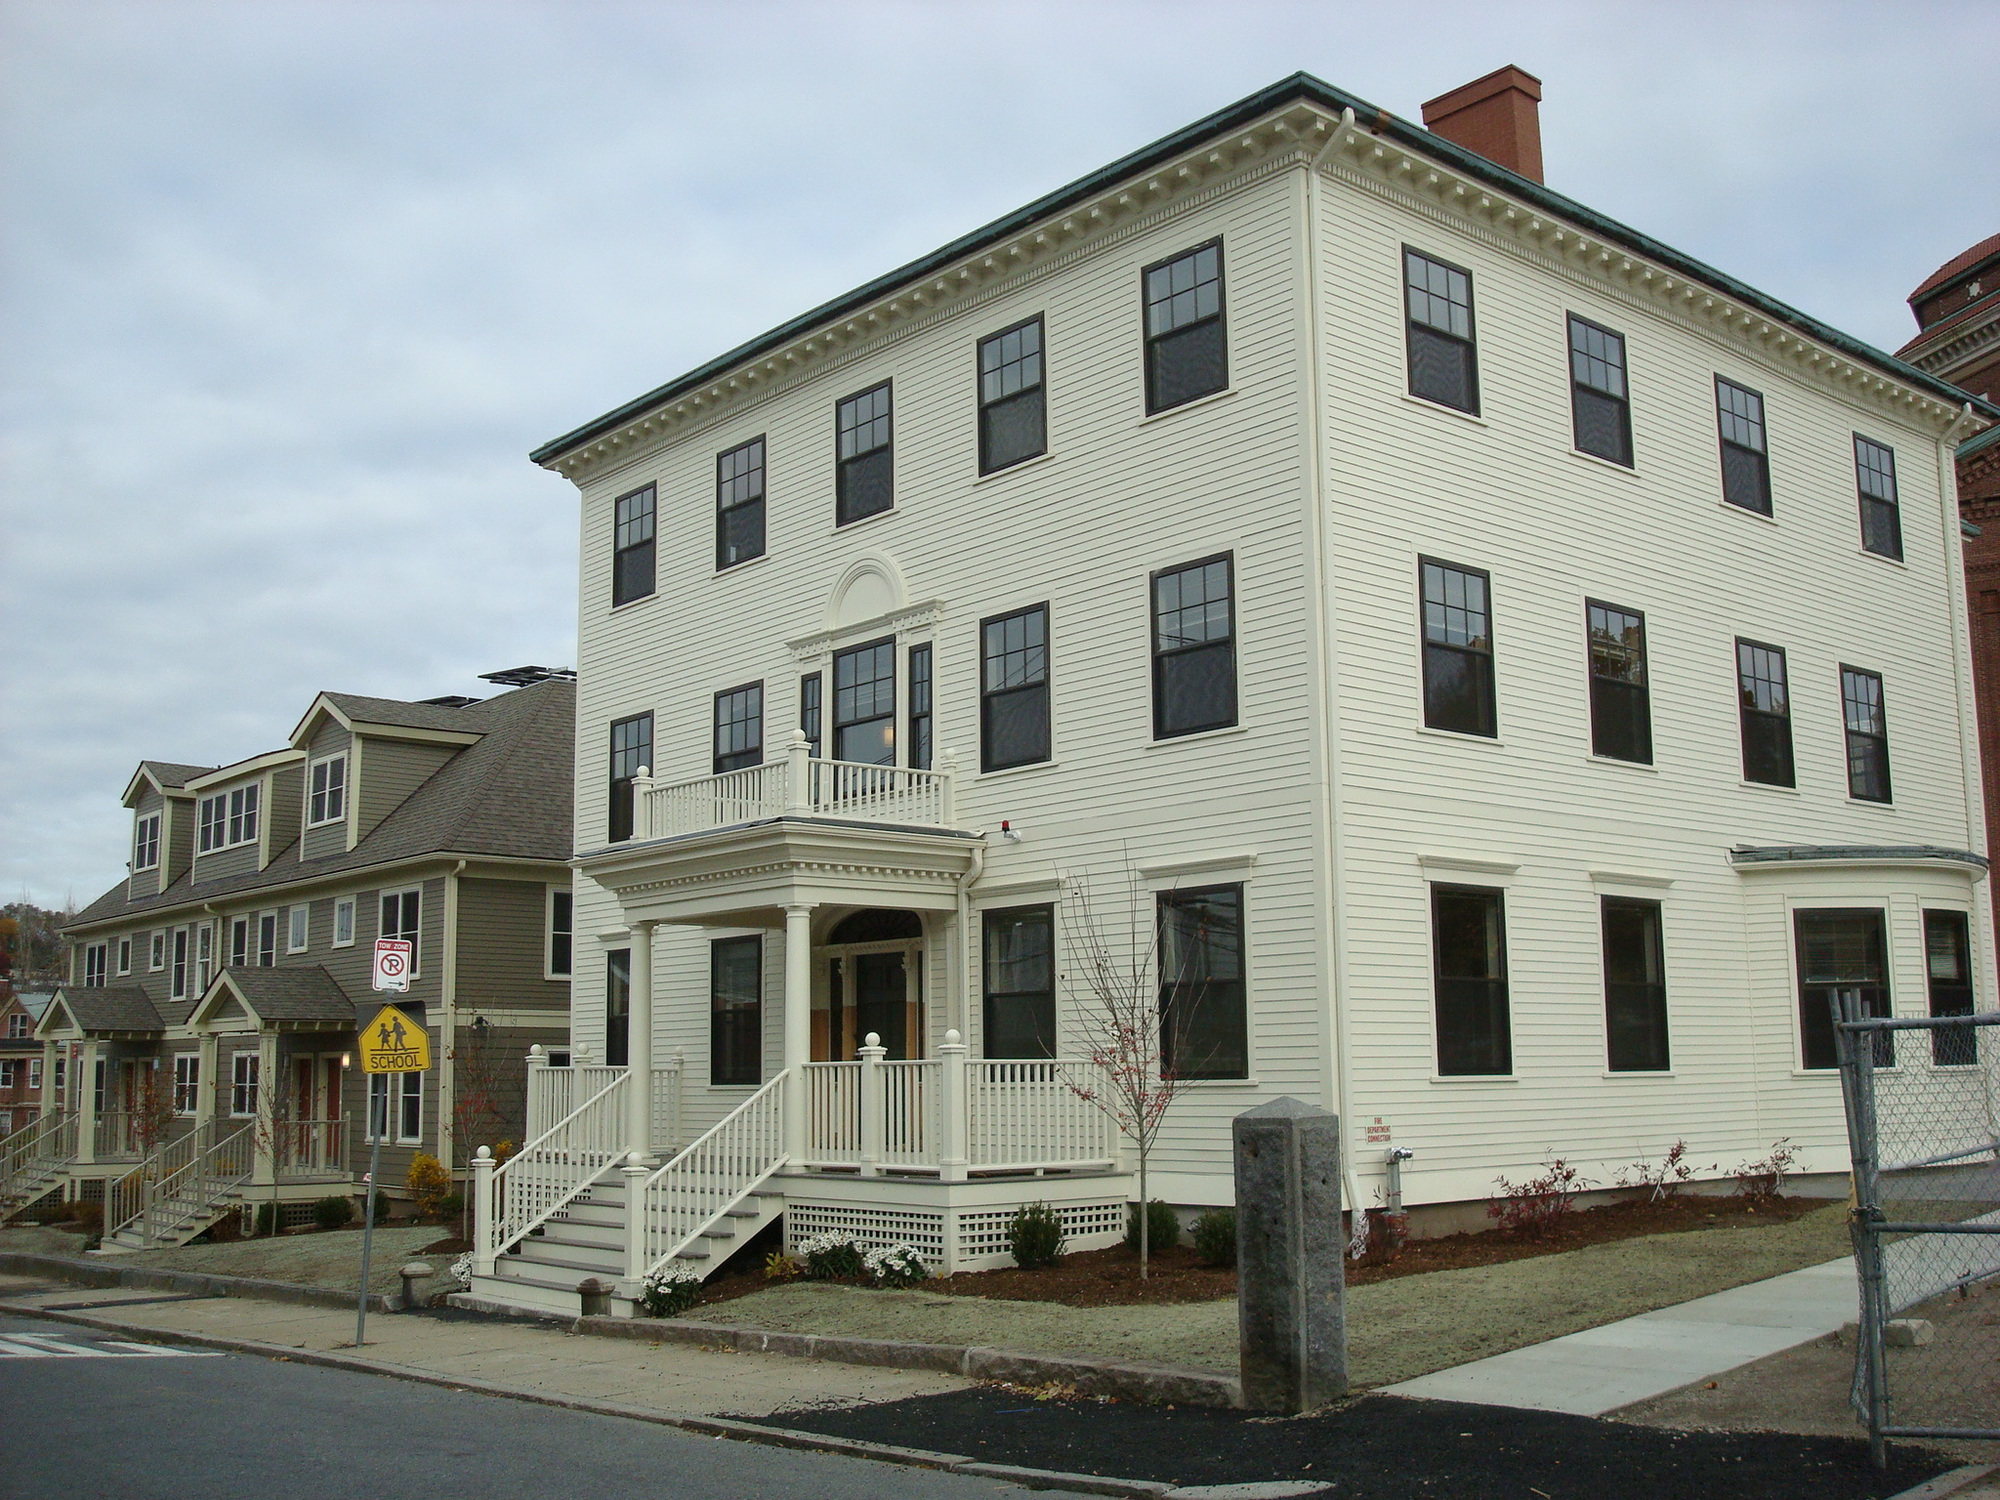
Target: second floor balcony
(800, 785)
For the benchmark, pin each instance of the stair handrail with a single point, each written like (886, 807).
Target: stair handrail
(200, 1164)
(48, 1139)
(549, 1172)
(693, 1192)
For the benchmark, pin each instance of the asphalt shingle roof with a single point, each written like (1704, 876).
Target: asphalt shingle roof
(507, 796)
(119, 1007)
(172, 773)
(296, 992)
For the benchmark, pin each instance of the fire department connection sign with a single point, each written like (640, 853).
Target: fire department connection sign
(393, 1043)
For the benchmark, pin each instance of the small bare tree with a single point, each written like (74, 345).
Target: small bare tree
(1137, 1046)
(152, 1108)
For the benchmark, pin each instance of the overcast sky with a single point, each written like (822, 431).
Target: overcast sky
(288, 290)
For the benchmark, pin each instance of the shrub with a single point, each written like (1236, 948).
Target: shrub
(1387, 1234)
(430, 1183)
(895, 1265)
(1762, 1180)
(1035, 1236)
(267, 1218)
(1541, 1203)
(1214, 1236)
(381, 1207)
(335, 1212)
(671, 1290)
(1163, 1227)
(452, 1206)
(831, 1256)
(1663, 1181)
(87, 1216)
(779, 1266)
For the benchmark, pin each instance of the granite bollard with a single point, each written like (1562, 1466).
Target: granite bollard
(1291, 1287)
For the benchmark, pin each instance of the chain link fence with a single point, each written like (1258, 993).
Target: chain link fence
(1923, 1125)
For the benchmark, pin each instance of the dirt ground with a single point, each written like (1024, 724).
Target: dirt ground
(1397, 1329)
(329, 1260)
(1954, 1381)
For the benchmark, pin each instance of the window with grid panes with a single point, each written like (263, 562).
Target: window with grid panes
(1204, 1016)
(631, 748)
(736, 1010)
(1881, 515)
(1469, 961)
(1635, 986)
(1764, 703)
(618, 1007)
(1600, 403)
(402, 917)
(146, 843)
(920, 706)
(864, 704)
(1014, 689)
(562, 932)
(239, 941)
(125, 955)
(299, 919)
(1841, 952)
(1187, 349)
(632, 547)
(1948, 973)
(809, 710)
(864, 470)
(739, 504)
(739, 728)
(267, 940)
(211, 821)
(1444, 366)
(1013, 421)
(187, 1082)
(156, 956)
(1621, 715)
(1019, 981)
(327, 800)
(177, 973)
(243, 1084)
(1194, 648)
(1867, 734)
(1458, 650)
(243, 813)
(1746, 467)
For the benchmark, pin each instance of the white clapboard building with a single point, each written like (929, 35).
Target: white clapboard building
(1519, 672)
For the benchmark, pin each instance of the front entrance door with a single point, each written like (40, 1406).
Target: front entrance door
(871, 983)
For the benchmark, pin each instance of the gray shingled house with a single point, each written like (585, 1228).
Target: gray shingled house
(202, 1049)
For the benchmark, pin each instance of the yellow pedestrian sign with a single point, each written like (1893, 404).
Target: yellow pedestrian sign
(393, 1043)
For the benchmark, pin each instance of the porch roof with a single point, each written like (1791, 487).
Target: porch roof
(296, 996)
(99, 1010)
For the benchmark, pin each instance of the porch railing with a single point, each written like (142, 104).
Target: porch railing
(800, 785)
(123, 1134)
(311, 1148)
(28, 1155)
(693, 1192)
(186, 1181)
(554, 1093)
(551, 1170)
(952, 1115)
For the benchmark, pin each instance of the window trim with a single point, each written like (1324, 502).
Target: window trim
(920, 723)
(760, 500)
(986, 765)
(326, 796)
(397, 1090)
(124, 956)
(550, 895)
(186, 1089)
(156, 950)
(1040, 388)
(1849, 734)
(1410, 325)
(716, 948)
(615, 961)
(620, 795)
(1631, 460)
(1606, 900)
(1157, 656)
(832, 721)
(349, 902)
(1724, 444)
(1424, 644)
(298, 933)
(145, 838)
(812, 712)
(180, 953)
(651, 542)
(1506, 980)
(1894, 503)
(841, 517)
(716, 757)
(400, 893)
(1592, 678)
(244, 1080)
(1151, 340)
(1794, 909)
(1743, 712)
(1162, 899)
(237, 808)
(987, 993)
(96, 961)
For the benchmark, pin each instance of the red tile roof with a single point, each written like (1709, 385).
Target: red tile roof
(1988, 246)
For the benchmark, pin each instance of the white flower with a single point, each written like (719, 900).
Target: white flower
(461, 1269)
(832, 1239)
(673, 1273)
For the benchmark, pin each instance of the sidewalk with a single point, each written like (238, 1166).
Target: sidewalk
(1602, 1369)
(667, 1378)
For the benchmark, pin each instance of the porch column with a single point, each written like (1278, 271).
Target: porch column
(264, 1139)
(206, 1083)
(639, 1048)
(84, 1088)
(50, 1101)
(798, 1024)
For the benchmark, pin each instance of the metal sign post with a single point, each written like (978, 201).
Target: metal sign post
(391, 1044)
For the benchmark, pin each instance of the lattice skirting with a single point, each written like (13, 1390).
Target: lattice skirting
(952, 1238)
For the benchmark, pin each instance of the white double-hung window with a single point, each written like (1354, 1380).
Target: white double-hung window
(326, 800)
(227, 819)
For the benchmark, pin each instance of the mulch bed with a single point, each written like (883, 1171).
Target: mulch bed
(1110, 1278)
(1378, 1448)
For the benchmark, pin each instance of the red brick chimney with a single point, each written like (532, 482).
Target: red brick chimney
(1497, 116)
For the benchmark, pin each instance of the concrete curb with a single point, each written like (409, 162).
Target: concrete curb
(1128, 1380)
(100, 1273)
(720, 1427)
(1948, 1484)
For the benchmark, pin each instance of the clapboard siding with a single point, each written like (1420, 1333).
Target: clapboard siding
(391, 770)
(502, 946)
(147, 882)
(329, 838)
(280, 828)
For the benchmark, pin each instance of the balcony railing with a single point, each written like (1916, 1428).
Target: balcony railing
(799, 786)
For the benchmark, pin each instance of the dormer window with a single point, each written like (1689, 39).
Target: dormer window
(327, 801)
(227, 819)
(146, 843)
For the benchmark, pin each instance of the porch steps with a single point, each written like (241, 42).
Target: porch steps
(33, 1184)
(172, 1222)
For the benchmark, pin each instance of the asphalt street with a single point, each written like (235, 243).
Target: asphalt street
(90, 1415)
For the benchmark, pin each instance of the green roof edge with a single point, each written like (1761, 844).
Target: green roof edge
(1286, 91)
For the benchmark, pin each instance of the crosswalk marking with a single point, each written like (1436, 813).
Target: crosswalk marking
(57, 1346)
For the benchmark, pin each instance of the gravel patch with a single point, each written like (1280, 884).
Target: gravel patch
(1397, 1329)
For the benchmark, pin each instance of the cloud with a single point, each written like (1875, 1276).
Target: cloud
(288, 291)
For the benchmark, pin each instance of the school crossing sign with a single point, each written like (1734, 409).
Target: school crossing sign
(393, 1043)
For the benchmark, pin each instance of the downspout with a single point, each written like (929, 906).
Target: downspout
(1326, 781)
(448, 1025)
